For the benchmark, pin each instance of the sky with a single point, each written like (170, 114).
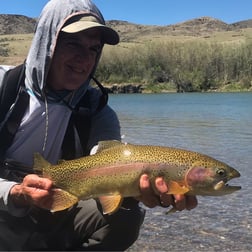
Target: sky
(149, 12)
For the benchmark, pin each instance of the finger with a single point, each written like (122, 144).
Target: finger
(35, 181)
(191, 202)
(44, 202)
(148, 197)
(161, 185)
(166, 200)
(179, 202)
(35, 188)
(144, 183)
(39, 197)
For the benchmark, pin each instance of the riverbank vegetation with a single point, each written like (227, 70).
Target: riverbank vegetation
(182, 66)
(165, 59)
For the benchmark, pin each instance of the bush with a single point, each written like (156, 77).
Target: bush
(3, 50)
(198, 66)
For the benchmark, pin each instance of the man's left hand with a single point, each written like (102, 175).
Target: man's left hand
(152, 197)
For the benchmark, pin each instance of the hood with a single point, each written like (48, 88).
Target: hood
(53, 17)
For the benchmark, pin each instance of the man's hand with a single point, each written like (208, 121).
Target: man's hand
(34, 190)
(157, 196)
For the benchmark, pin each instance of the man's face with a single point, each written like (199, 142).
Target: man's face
(74, 59)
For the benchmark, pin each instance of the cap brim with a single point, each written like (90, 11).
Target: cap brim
(109, 36)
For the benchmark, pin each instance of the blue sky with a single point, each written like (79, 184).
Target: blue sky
(152, 12)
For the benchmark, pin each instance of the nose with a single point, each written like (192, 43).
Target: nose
(81, 56)
(84, 55)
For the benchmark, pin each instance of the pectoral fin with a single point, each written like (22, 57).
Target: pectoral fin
(103, 145)
(176, 188)
(62, 200)
(110, 203)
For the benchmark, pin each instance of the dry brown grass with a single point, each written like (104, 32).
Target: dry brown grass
(18, 44)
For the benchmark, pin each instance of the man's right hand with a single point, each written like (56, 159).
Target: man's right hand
(34, 190)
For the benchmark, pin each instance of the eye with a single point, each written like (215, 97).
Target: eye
(73, 45)
(70, 43)
(221, 172)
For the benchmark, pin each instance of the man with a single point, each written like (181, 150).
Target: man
(62, 59)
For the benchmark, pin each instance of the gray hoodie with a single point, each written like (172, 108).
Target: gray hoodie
(44, 124)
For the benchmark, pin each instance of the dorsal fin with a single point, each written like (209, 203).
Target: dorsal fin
(103, 145)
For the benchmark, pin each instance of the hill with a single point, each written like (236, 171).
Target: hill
(201, 42)
(19, 24)
(194, 27)
(16, 24)
(243, 24)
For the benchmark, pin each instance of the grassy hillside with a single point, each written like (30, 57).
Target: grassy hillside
(16, 34)
(14, 48)
(156, 56)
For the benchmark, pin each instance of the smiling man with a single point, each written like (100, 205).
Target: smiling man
(65, 118)
(74, 59)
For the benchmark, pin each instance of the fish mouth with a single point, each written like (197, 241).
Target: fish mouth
(222, 187)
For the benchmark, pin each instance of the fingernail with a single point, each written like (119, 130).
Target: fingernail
(160, 183)
(145, 178)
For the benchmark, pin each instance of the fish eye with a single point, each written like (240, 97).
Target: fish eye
(221, 172)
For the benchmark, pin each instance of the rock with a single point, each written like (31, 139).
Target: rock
(125, 88)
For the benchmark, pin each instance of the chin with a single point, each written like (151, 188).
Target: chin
(74, 87)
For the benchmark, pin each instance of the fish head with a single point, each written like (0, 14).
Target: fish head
(210, 178)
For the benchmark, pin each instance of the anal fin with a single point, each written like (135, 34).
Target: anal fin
(110, 203)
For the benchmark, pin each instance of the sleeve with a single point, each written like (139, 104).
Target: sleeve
(5, 203)
(5, 185)
(3, 70)
(104, 126)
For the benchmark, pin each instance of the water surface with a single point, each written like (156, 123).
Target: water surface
(219, 125)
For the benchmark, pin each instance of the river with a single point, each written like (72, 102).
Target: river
(216, 124)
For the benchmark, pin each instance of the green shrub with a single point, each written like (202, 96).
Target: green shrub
(196, 65)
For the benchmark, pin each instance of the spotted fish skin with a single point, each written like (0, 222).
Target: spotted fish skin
(114, 172)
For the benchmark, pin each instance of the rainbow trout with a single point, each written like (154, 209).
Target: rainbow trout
(114, 172)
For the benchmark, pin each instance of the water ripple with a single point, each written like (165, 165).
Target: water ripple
(219, 125)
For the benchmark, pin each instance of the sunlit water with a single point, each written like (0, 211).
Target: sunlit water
(219, 125)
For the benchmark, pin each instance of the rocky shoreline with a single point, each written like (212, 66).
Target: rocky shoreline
(124, 88)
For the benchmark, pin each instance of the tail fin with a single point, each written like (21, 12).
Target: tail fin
(40, 165)
(61, 199)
